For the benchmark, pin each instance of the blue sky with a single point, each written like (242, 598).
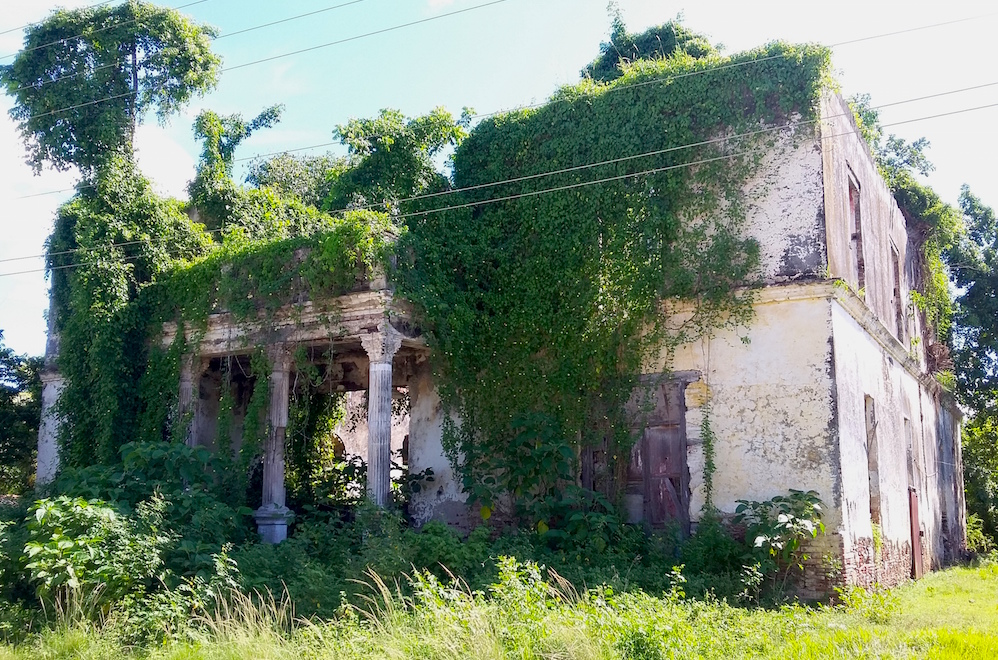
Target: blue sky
(496, 57)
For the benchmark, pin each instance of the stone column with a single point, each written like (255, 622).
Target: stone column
(381, 347)
(185, 401)
(273, 516)
(48, 428)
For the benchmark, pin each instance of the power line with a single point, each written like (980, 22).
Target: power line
(565, 186)
(663, 80)
(915, 29)
(878, 107)
(613, 89)
(224, 35)
(108, 27)
(460, 11)
(282, 55)
(27, 25)
(368, 34)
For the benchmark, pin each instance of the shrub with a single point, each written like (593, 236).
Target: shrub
(777, 529)
(75, 545)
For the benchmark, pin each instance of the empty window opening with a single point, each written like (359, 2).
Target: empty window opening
(898, 301)
(857, 236)
(873, 459)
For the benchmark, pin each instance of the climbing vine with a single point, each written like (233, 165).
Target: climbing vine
(125, 260)
(545, 298)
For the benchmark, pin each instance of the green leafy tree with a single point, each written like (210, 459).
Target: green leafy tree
(973, 262)
(393, 157)
(980, 470)
(213, 192)
(20, 409)
(86, 77)
(974, 265)
(308, 178)
(124, 235)
(654, 43)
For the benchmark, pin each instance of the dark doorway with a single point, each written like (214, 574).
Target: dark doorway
(659, 471)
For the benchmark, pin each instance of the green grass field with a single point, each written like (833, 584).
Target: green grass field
(948, 614)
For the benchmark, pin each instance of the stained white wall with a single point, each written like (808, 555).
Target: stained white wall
(442, 499)
(770, 395)
(916, 439)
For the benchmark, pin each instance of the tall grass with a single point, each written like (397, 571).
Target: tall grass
(530, 614)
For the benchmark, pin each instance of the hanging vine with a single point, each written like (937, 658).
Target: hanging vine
(543, 298)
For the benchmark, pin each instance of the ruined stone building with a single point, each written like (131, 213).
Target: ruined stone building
(830, 387)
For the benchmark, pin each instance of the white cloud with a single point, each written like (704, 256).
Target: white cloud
(163, 160)
(25, 222)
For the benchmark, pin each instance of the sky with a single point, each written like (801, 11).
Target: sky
(495, 55)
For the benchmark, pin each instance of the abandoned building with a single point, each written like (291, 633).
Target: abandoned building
(830, 387)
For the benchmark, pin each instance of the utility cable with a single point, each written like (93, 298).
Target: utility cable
(108, 27)
(362, 36)
(224, 35)
(657, 81)
(439, 16)
(368, 137)
(878, 107)
(27, 25)
(564, 187)
(279, 56)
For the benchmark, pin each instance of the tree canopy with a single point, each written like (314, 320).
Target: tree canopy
(655, 43)
(974, 266)
(393, 156)
(86, 77)
(20, 409)
(213, 191)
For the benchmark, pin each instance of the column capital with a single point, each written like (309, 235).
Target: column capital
(382, 345)
(51, 377)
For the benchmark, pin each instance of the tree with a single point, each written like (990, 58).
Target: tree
(86, 78)
(213, 192)
(973, 263)
(306, 177)
(655, 43)
(20, 410)
(393, 157)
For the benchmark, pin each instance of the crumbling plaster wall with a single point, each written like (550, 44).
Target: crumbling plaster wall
(845, 155)
(915, 445)
(769, 388)
(443, 498)
(785, 208)
(864, 369)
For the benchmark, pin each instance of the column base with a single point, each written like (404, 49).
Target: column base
(272, 522)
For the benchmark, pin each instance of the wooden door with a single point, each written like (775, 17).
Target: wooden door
(659, 470)
(916, 535)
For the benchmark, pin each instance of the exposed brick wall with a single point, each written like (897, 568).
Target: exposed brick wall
(864, 567)
(823, 570)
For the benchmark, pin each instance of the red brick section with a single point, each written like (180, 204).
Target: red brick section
(829, 566)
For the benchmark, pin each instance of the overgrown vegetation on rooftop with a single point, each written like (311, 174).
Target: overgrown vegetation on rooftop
(539, 269)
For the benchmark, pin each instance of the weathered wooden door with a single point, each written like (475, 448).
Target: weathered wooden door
(659, 469)
(916, 535)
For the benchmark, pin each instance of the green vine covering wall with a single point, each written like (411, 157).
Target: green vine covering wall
(542, 309)
(145, 262)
